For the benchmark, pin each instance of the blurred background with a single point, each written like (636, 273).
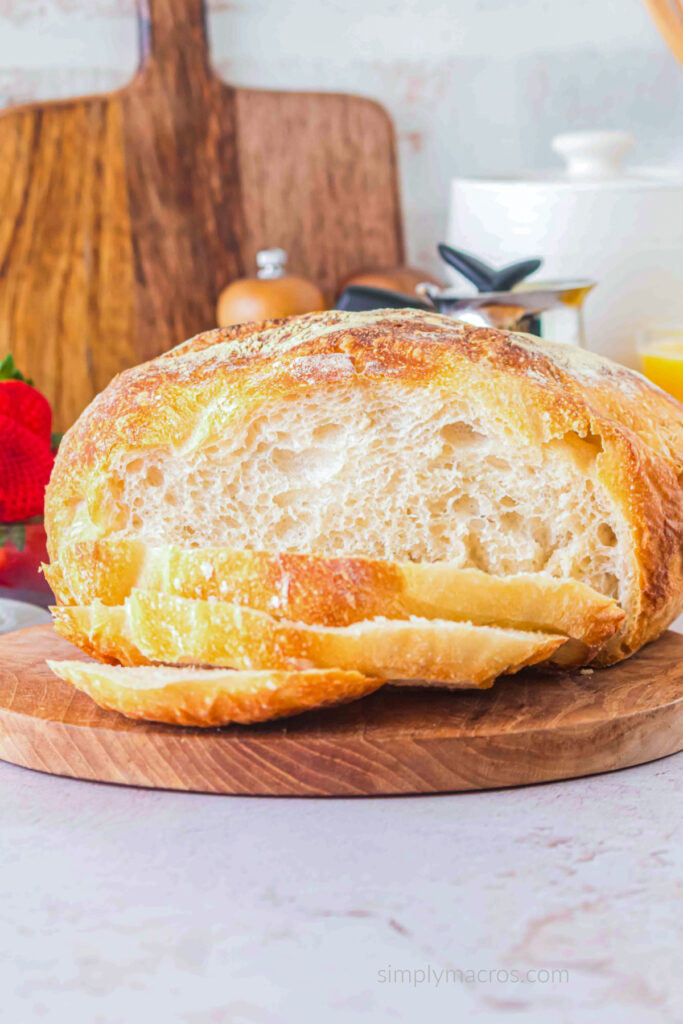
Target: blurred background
(474, 87)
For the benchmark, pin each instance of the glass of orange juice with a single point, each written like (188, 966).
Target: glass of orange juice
(661, 356)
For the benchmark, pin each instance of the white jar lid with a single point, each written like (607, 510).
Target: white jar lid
(593, 159)
(593, 155)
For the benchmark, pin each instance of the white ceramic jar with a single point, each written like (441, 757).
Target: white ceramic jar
(623, 229)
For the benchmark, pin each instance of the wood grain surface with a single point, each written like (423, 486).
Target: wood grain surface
(531, 728)
(122, 216)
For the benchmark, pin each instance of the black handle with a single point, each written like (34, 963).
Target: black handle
(484, 277)
(356, 298)
(508, 277)
(469, 266)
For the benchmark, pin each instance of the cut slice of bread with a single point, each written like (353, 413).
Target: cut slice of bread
(211, 697)
(334, 591)
(102, 631)
(154, 627)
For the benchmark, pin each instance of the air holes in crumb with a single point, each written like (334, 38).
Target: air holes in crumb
(476, 554)
(283, 459)
(327, 433)
(508, 502)
(606, 535)
(595, 440)
(170, 498)
(456, 434)
(154, 477)
(511, 522)
(287, 499)
(464, 506)
(497, 462)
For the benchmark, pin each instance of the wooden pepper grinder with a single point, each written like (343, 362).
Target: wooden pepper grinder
(269, 295)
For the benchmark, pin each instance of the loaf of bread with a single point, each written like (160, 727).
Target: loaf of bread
(338, 468)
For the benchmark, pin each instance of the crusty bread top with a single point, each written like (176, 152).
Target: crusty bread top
(535, 393)
(572, 385)
(562, 375)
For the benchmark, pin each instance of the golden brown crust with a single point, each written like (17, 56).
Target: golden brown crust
(212, 697)
(99, 631)
(162, 629)
(333, 591)
(536, 391)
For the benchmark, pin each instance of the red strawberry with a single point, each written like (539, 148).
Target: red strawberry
(25, 467)
(22, 549)
(26, 406)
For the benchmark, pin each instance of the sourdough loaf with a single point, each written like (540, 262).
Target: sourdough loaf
(396, 435)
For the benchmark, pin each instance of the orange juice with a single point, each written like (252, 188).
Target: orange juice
(663, 363)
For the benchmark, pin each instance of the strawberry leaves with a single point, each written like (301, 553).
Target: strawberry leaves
(8, 371)
(13, 533)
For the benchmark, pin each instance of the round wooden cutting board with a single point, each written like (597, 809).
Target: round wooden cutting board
(529, 728)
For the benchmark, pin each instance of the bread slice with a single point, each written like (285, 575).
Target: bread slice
(211, 697)
(399, 435)
(161, 628)
(334, 591)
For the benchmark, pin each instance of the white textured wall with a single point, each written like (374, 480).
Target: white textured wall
(474, 86)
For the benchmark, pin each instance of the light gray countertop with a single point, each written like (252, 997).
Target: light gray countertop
(118, 905)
